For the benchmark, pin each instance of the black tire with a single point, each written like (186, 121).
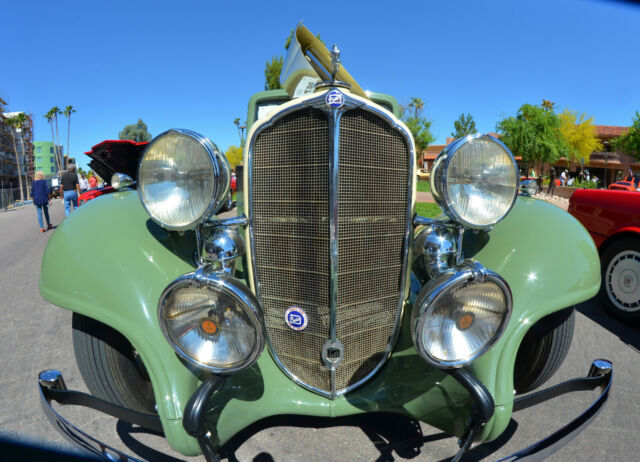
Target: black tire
(109, 365)
(543, 350)
(620, 287)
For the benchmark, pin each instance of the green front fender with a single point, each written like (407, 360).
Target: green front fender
(545, 255)
(110, 262)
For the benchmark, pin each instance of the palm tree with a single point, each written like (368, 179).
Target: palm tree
(21, 119)
(241, 128)
(55, 111)
(49, 117)
(547, 105)
(417, 105)
(67, 113)
(14, 123)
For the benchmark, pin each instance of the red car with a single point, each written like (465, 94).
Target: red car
(93, 193)
(613, 220)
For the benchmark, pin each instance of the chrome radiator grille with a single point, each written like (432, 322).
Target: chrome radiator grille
(289, 210)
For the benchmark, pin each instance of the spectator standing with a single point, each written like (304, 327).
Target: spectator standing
(552, 181)
(563, 178)
(41, 195)
(70, 189)
(84, 184)
(93, 182)
(629, 176)
(539, 184)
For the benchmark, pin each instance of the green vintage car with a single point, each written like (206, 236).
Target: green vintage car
(326, 295)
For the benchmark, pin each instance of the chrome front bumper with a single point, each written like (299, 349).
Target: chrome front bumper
(51, 387)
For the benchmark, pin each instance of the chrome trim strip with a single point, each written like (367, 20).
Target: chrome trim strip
(334, 168)
(351, 101)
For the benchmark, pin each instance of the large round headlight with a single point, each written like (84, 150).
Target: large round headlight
(475, 181)
(183, 178)
(212, 321)
(460, 315)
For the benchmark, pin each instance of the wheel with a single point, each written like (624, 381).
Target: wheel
(110, 366)
(543, 350)
(620, 288)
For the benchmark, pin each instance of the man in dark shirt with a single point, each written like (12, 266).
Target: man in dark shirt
(70, 189)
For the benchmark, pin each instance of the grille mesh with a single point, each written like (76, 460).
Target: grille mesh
(372, 210)
(290, 223)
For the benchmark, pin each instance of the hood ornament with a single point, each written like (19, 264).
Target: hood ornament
(335, 67)
(335, 62)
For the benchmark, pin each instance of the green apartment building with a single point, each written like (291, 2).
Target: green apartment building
(44, 158)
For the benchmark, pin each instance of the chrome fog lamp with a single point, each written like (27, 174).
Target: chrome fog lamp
(120, 181)
(183, 179)
(212, 320)
(475, 181)
(458, 316)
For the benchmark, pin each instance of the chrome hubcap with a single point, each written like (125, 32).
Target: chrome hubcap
(623, 281)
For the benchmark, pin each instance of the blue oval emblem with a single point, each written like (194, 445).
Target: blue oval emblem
(334, 99)
(296, 318)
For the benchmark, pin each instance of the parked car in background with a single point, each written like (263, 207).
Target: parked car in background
(423, 174)
(625, 185)
(327, 295)
(613, 220)
(93, 193)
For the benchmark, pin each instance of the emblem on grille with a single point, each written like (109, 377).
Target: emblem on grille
(296, 318)
(334, 99)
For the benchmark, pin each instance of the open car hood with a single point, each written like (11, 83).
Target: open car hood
(111, 156)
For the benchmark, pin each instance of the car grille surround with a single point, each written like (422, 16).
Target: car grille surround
(291, 215)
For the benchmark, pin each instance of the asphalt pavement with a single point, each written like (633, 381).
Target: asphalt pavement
(35, 335)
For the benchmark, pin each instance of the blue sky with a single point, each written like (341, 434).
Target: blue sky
(194, 64)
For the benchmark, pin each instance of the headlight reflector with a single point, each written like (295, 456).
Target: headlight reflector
(475, 181)
(183, 179)
(213, 321)
(459, 316)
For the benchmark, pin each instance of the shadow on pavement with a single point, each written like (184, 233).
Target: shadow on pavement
(627, 333)
(126, 431)
(389, 433)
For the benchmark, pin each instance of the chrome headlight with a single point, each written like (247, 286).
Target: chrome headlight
(475, 181)
(183, 178)
(213, 321)
(459, 316)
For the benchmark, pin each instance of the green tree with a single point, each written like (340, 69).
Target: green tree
(418, 124)
(234, 156)
(534, 133)
(16, 123)
(629, 142)
(272, 72)
(136, 132)
(465, 125)
(67, 113)
(579, 134)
